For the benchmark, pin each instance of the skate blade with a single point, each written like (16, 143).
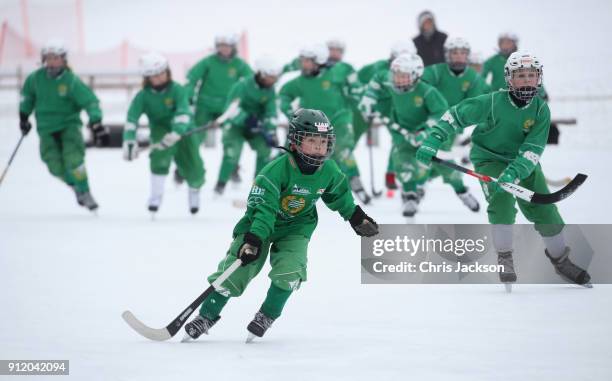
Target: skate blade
(250, 338)
(508, 287)
(186, 338)
(587, 285)
(152, 216)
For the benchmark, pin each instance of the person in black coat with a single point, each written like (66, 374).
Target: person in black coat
(430, 41)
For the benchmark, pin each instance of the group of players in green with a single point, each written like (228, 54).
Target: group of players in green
(424, 109)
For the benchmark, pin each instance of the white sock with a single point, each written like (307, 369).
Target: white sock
(157, 188)
(502, 237)
(555, 245)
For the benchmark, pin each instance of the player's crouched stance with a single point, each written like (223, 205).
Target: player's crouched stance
(280, 219)
(512, 129)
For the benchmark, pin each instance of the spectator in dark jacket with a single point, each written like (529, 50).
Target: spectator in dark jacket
(430, 41)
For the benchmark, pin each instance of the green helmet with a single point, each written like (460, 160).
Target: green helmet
(308, 123)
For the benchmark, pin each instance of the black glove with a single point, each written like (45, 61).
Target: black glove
(24, 125)
(363, 224)
(100, 133)
(250, 249)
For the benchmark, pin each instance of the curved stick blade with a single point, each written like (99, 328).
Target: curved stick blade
(161, 334)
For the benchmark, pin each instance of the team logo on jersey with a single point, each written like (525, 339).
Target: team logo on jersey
(231, 72)
(321, 191)
(300, 190)
(169, 102)
(528, 124)
(293, 204)
(62, 90)
(418, 101)
(326, 85)
(465, 86)
(264, 99)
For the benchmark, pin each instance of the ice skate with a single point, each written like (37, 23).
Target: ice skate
(194, 200)
(198, 326)
(410, 202)
(468, 200)
(360, 192)
(569, 271)
(258, 326)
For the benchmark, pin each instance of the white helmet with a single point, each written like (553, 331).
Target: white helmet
(452, 44)
(401, 47)
(318, 53)
(268, 66)
(336, 43)
(152, 64)
(408, 63)
(508, 36)
(55, 46)
(226, 38)
(518, 61)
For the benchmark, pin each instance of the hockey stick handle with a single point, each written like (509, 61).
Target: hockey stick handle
(11, 158)
(485, 178)
(158, 146)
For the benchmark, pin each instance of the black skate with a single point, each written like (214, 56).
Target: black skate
(258, 326)
(410, 202)
(507, 276)
(469, 201)
(568, 270)
(236, 175)
(220, 188)
(86, 200)
(178, 179)
(198, 326)
(360, 192)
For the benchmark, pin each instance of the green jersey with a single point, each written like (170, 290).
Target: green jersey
(504, 132)
(253, 100)
(412, 110)
(215, 77)
(326, 91)
(294, 65)
(453, 87)
(167, 110)
(495, 67)
(57, 102)
(365, 75)
(283, 199)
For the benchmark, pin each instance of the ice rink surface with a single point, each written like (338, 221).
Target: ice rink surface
(66, 275)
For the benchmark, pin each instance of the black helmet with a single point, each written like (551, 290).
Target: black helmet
(306, 123)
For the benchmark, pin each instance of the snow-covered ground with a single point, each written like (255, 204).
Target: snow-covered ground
(66, 276)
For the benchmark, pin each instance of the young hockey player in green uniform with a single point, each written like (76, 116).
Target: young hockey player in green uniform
(213, 77)
(250, 110)
(166, 105)
(414, 105)
(456, 82)
(280, 219)
(324, 88)
(511, 132)
(57, 96)
(382, 109)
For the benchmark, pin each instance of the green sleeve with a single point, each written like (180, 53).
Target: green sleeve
(287, 94)
(270, 112)
(465, 113)
(236, 92)
(337, 195)
(264, 202)
(181, 120)
(436, 105)
(486, 70)
(373, 92)
(429, 75)
(85, 98)
(28, 96)
(478, 87)
(354, 88)
(134, 112)
(196, 74)
(292, 66)
(245, 70)
(366, 73)
(533, 146)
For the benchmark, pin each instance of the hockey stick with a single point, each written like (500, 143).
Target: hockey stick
(519, 191)
(158, 146)
(558, 183)
(11, 158)
(175, 325)
(369, 142)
